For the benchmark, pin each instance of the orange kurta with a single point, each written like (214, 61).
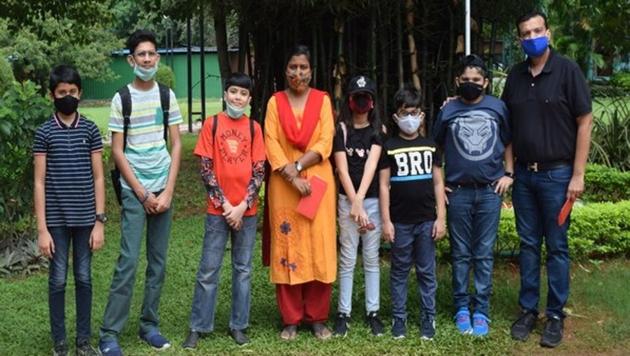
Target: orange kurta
(301, 250)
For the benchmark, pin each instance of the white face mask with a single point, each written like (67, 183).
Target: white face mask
(233, 111)
(409, 124)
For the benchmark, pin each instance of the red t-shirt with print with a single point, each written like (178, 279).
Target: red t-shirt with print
(232, 154)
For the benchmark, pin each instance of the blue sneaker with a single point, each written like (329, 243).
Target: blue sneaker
(399, 328)
(109, 348)
(462, 321)
(156, 340)
(480, 325)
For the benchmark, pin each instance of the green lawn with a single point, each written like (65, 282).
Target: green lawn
(599, 304)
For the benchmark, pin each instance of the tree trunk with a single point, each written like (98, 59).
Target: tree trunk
(411, 41)
(493, 40)
(373, 38)
(243, 41)
(384, 16)
(399, 48)
(218, 11)
(340, 67)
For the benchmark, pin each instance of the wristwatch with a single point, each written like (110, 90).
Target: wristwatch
(509, 174)
(298, 166)
(101, 217)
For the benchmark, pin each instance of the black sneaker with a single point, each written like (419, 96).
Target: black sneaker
(523, 325)
(239, 336)
(552, 333)
(427, 329)
(60, 349)
(376, 325)
(341, 325)
(85, 349)
(192, 340)
(399, 328)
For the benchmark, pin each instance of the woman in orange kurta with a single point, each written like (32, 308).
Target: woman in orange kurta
(299, 130)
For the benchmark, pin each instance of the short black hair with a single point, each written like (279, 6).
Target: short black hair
(138, 37)
(529, 15)
(407, 97)
(472, 61)
(300, 50)
(63, 74)
(240, 80)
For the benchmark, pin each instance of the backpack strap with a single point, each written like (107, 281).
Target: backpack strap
(251, 135)
(125, 101)
(165, 101)
(215, 123)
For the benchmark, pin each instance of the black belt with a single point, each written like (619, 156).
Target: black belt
(544, 166)
(474, 185)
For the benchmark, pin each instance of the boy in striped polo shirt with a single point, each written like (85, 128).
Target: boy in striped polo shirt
(69, 198)
(148, 175)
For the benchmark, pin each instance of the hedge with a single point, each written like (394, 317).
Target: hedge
(597, 230)
(605, 184)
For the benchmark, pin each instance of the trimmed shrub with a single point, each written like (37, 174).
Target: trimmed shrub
(165, 76)
(597, 230)
(606, 184)
(621, 80)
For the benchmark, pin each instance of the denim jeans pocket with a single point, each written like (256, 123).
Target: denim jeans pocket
(560, 175)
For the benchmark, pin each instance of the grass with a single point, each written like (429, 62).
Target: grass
(598, 303)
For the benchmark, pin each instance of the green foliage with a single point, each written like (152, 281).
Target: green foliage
(22, 110)
(621, 80)
(605, 184)
(611, 133)
(19, 253)
(165, 76)
(6, 74)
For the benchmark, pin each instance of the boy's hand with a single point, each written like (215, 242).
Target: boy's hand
(302, 185)
(503, 184)
(45, 243)
(97, 237)
(234, 216)
(150, 204)
(446, 191)
(448, 100)
(163, 202)
(388, 231)
(439, 229)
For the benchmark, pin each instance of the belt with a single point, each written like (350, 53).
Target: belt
(474, 185)
(544, 166)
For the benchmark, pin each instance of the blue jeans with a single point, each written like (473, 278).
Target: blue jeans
(81, 265)
(413, 245)
(348, 244)
(473, 220)
(538, 198)
(133, 219)
(207, 284)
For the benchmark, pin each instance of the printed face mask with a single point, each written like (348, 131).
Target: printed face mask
(67, 104)
(535, 47)
(469, 90)
(409, 124)
(361, 103)
(298, 81)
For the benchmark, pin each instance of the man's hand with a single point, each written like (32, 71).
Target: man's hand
(446, 191)
(97, 237)
(503, 184)
(45, 243)
(576, 187)
(439, 229)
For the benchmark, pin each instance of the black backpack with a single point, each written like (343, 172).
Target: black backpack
(125, 100)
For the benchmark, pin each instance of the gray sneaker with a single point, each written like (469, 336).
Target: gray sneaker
(85, 349)
(60, 349)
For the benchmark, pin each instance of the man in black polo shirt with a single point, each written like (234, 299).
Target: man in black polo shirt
(550, 111)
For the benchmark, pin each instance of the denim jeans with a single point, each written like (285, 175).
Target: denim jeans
(57, 274)
(133, 219)
(538, 198)
(206, 287)
(413, 245)
(349, 242)
(473, 220)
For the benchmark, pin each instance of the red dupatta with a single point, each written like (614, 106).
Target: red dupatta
(302, 136)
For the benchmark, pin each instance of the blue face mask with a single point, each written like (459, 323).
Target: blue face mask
(234, 112)
(145, 74)
(535, 47)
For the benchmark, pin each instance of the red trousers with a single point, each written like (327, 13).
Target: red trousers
(308, 302)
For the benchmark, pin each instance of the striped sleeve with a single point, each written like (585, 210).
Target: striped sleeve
(115, 116)
(174, 114)
(96, 142)
(40, 141)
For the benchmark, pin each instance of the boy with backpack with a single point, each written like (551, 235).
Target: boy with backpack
(141, 122)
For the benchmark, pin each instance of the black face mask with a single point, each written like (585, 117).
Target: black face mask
(469, 90)
(67, 105)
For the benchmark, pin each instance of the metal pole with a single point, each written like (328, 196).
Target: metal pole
(189, 72)
(203, 61)
(467, 28)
